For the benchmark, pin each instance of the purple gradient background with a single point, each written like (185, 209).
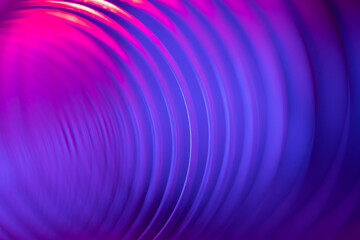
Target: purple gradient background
(176, 119)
